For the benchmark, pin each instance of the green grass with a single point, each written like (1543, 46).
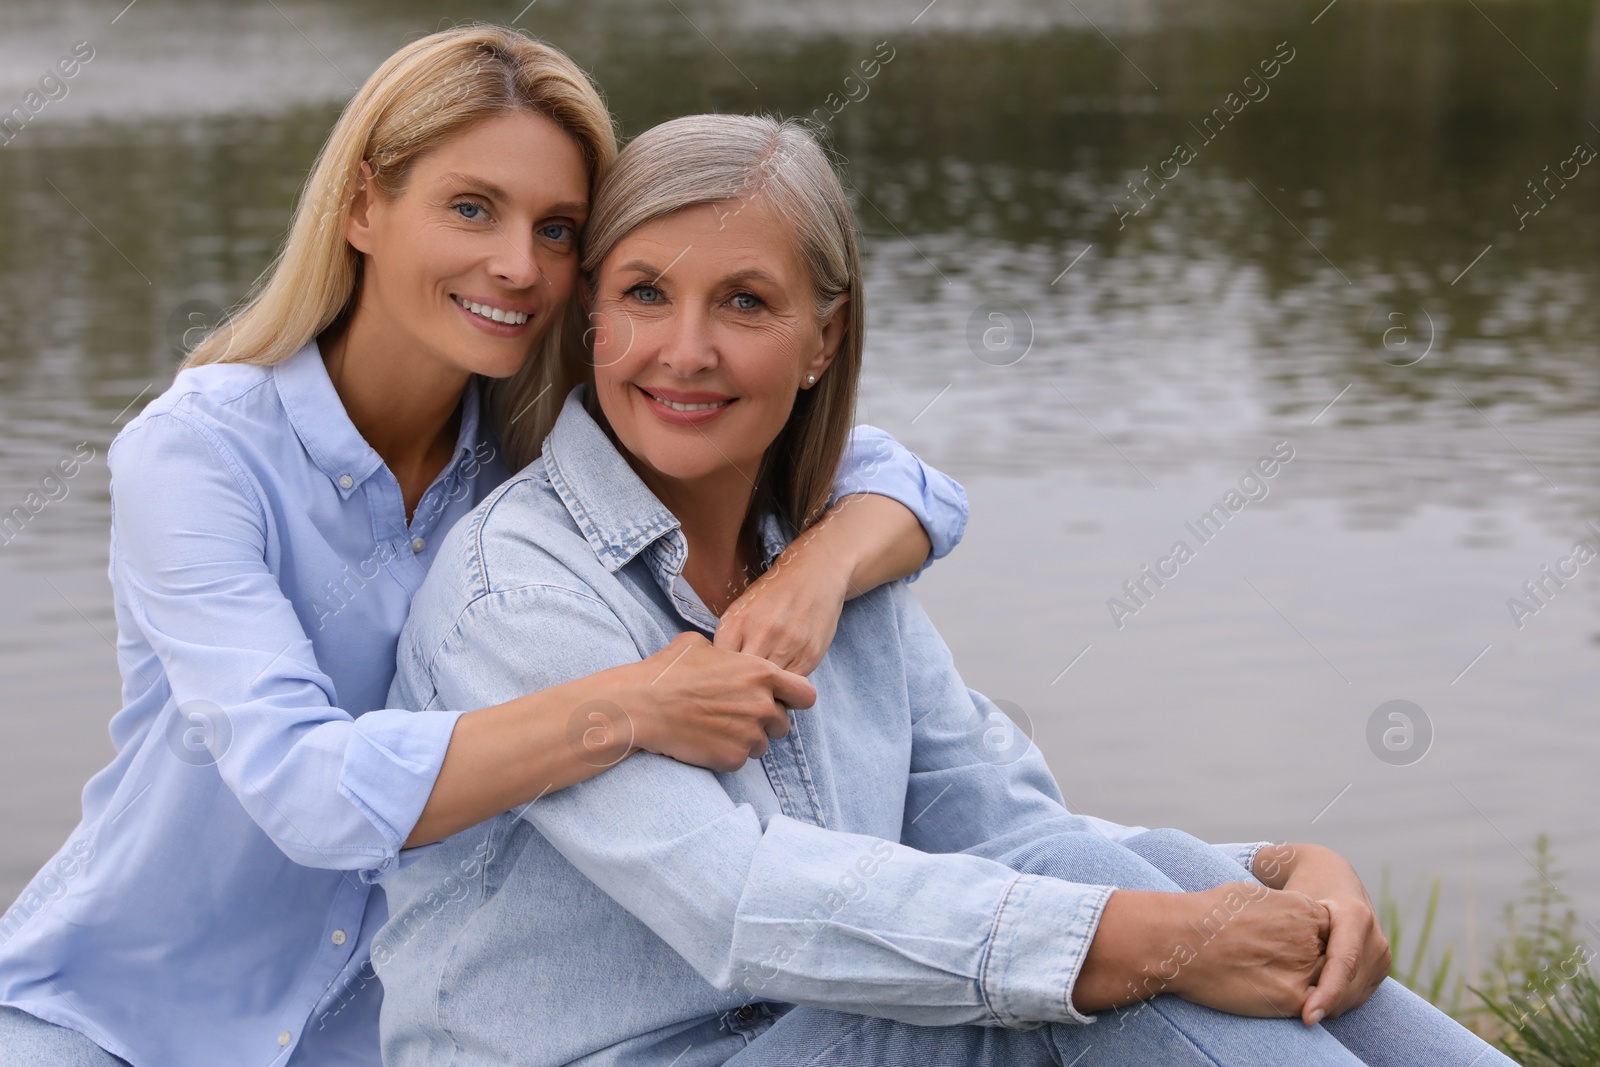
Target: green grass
(1427, 980)
(1540, 1004)
(1558, 1030)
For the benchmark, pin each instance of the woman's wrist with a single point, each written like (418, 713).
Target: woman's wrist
(504, 756)
(822, 556)
(869, 540)
(1133, 954)
(1320, 872)
(614, 712)
(1273, 864)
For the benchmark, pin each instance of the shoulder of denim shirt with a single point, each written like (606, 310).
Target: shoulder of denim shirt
(520, 535)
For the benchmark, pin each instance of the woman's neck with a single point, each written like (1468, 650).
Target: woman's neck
(712, 512)
(403, 402)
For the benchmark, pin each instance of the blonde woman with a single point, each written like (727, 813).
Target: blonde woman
(926, 898)
(273, 513)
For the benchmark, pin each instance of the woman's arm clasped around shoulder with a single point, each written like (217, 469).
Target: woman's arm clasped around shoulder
(789, 614)
(690, 701)
(711, 705)
(193, 544)
(892, 516)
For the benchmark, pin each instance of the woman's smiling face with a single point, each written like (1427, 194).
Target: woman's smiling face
(706, 328)
(476, 257)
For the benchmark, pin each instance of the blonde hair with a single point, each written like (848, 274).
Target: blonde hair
(421, 96)
(701, 159)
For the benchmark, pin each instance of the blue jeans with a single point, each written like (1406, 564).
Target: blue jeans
(27, 1041)
(1394, 1028)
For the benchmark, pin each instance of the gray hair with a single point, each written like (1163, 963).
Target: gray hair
(705, 159)
(733, 159)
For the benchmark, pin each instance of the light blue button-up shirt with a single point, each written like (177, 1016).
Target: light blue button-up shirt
(217, 902)
(628, 919)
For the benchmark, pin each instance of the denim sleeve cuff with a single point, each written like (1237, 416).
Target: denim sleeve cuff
(1243, 855)
(1041, 937)
(390, 766)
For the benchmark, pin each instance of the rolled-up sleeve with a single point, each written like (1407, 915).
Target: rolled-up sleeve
(874, 462)
(191, 547)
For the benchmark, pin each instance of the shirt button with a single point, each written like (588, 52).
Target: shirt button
(283, 1038)
(338, 937)
(419, 544)
(345, 481)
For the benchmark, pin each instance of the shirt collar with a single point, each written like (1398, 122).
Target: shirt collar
(616, 512)
(324, 427)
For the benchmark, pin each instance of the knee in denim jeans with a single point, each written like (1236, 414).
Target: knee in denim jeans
(1088, 858)
(1187, 860)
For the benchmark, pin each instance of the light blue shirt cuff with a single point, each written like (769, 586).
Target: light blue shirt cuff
(390, 768)
(1040, 941)
(874, 462)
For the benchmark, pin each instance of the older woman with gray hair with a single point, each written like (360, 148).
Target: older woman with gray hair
(882, 886)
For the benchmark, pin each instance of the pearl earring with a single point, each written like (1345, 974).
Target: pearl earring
(811, 379)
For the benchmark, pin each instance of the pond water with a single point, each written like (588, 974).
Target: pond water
(1107, 274)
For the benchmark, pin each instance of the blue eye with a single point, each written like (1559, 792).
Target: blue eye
(646, 293)
(746, 301)
(558, 231)
(468, 210)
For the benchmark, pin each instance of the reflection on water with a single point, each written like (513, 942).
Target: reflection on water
(1350, 261)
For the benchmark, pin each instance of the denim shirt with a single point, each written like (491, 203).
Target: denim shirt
(217, 902)
(660, 914)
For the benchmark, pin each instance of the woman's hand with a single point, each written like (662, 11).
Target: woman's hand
(1256, 951)
(790, 613)
(712, 707)
(697, 704)
(1358, 956)
(1240, 948)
